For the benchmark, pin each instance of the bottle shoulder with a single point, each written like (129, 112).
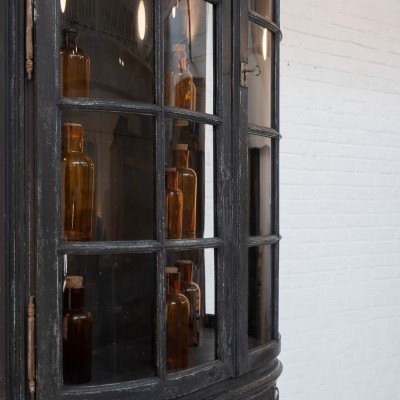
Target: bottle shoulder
(76, 315)
(74, 52)
(190, 286)
(177, 299)
(186, 171)
(77, 159)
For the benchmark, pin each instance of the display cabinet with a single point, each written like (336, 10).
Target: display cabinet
(141, 183)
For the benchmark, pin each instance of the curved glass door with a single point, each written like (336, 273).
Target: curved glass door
(138, 176)
(260, 139)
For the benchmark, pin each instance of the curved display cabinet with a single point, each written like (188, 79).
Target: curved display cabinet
(142, 202)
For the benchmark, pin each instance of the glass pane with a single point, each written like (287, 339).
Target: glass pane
(262, 7)
(108, 334)
(191, 319)
(183, 139)
(259, 82)
(260, 296)
(107, 49)
(189, 55)
(120, 149)
(259, 159)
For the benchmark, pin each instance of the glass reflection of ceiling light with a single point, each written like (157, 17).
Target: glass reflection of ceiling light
(63, 4)
(141, 20)
(264, 44)
(174, 9)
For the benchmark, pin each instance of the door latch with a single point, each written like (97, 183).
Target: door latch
(244, 69)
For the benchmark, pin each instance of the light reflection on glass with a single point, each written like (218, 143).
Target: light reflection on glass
(259, 105)
(63, 4)
(141, 20)
(264, 44)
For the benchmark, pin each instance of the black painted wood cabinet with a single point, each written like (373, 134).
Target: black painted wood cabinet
(197, 73)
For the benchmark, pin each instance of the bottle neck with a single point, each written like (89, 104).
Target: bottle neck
(171, 180)
(72, 144)
(182, 63)
(186, 272)
(72, 138)
(181, 158)
(73, 298)
(70, 40)
(172, 283)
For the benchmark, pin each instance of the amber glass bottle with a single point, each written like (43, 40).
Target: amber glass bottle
(177, 320)
(192, 291)
(181, 91)
(77, 186)
(74, 67)
(173, 205)
(187, 183)
(184, 89)
(77, 334)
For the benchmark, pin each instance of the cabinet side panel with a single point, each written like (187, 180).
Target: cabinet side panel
(2, 204)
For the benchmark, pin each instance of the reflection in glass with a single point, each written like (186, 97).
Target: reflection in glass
(260, 296)
(74, 67)
(77, 334)
(118, 37)
(192, 291)
(141, 20)
(197, 284)
(259, 95)
(77, 185)
(177, 311)
(189, 55)
(121, 147)
(173, 205)
(187, 183)
(262, 7)
(259, 167)
(198, 139)
(63, 4)
(120, 296)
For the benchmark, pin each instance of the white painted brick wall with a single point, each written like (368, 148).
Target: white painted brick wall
(340, 200)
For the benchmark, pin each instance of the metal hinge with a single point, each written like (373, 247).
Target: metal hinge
(30, 350)
(29, 39)
(244, 70)
(275, 391)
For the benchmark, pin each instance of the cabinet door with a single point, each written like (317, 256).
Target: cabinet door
(121, 88)
(258, 143)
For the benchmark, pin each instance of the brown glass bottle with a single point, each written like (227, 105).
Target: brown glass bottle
(173, 205)
(192, 291)
(77, 334)
(177, 320)
(187, 183)
(77, 186)
(74, 67)
(180, 89)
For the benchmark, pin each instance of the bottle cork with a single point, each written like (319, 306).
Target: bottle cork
(183, 262)
(181, 146)
(73, 282)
